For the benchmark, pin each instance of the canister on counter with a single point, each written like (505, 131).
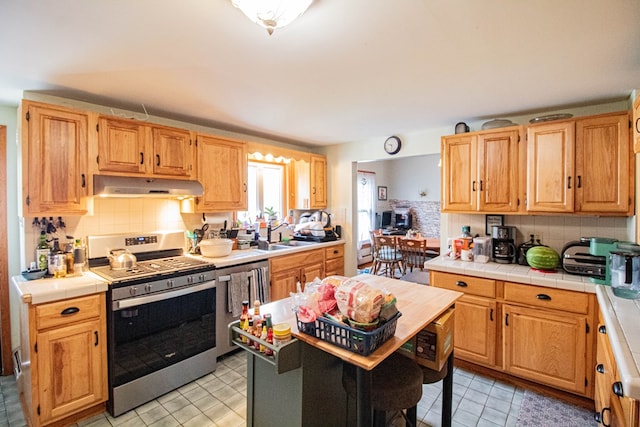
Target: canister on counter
(281, 334)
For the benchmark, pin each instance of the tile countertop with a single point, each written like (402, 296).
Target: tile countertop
(48, 290)
(621, 317)
(513, 273)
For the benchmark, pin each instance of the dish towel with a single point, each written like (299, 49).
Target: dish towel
(260, 284)
(238, 291)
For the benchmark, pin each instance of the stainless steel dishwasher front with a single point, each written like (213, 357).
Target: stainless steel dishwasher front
(247, 273)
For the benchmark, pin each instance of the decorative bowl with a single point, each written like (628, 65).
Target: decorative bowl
(33, 274)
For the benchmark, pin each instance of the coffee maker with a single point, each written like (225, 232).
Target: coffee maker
(503, 242)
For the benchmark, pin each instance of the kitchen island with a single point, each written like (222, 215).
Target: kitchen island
(312, 394)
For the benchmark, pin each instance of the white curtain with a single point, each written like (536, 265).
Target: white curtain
(366, 205)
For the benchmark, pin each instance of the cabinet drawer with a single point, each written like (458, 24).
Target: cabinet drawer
(334, 252)
(334, 266)
(558, 299)
(297, 260)
(467, 284)
(77, 309)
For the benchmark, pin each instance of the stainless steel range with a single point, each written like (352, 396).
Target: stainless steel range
(160, 316)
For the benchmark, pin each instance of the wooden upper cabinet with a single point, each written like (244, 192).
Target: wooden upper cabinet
(458, 173)
(583, 166)
(132, 147)
(54, 151)
(318, 171)
(172, 152)
(604, 166)
(550, 167)
(480, 171)
(222, 171)
(636, 124)
(498, 171)
(122, 145)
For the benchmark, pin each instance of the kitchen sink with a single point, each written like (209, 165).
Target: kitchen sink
(289, 244)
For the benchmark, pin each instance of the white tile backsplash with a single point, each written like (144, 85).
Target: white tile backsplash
(115, 215)
(553, 231)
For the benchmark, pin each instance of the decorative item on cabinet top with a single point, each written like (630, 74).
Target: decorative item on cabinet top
(497, 123)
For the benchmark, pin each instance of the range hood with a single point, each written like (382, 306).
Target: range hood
(129, 186)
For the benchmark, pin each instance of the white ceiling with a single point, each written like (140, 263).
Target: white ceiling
(346, 70)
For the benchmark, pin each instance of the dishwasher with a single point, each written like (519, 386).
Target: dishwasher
(255, 277)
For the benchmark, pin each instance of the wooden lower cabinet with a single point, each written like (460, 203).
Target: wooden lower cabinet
(288, 270)
(67, 376)
(611, 409)
(544, 346)
(536, 333)
(475, 330)
(334, 261)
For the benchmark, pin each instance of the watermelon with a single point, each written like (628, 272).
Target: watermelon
(543, 258)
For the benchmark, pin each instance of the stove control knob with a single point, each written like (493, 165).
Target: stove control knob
(133, 291)
(169, 284)
(148, 287)
(190, 279)
(202, 277)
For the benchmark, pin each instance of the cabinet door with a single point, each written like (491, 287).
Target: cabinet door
(55, 178)
(545, 346)
(550, 167)
(636, 124)
(475, 330)
(310, 272)
(458, 175)
(498, 171)
(222, 171)
(284, 282)
(122, 145)
(318, 170)
(71, 369)
(603, 165)
(172, 152)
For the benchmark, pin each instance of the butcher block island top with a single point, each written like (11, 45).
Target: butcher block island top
(419, 305)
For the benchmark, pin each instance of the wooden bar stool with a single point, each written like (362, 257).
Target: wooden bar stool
(396, 385)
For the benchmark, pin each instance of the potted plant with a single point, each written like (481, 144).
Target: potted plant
(271, 213)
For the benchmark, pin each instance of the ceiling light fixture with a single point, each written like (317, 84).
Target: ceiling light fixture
(272, 14)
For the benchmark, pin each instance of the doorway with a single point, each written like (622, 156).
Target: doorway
(5, 323)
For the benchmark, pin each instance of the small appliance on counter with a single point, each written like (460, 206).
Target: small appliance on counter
(521, 255)
(602, 246)
(576, 258)
(503, 239)
(625, 271)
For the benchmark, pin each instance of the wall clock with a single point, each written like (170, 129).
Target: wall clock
(392, 145)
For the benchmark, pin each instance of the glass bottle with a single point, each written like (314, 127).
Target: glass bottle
(244, 321)
(267, 320)
(42, 251)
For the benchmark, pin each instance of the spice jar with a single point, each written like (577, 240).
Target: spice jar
(281, 334)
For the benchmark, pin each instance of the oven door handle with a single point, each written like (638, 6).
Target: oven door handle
(146, 299)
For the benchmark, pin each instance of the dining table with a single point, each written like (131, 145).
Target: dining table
(418, 304)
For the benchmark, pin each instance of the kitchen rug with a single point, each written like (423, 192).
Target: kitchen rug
(538, 410)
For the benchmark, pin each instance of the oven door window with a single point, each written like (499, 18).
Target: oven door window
(152, 336)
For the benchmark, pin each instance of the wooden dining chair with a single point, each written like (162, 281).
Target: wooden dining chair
(388, 256)
(414, 253)
(374, 254)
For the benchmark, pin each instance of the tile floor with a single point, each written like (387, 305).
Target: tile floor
(219, 400)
